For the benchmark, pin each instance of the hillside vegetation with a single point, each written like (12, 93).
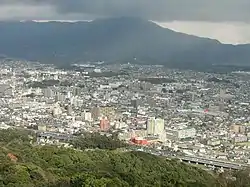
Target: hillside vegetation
(50, 166)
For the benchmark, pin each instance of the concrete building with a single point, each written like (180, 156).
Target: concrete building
(159, 126)
(76, 91)
(56, 110)
(175, 134)
(150, 126)
(240, 138)
(60, 97)
(238, 128)
(135, 103)
(155, 126)
(186, 133)
(42, 128)
(104, 124)
(48, 92)
(119, 124)
(69, 110)
(95, 113)
(87, 116)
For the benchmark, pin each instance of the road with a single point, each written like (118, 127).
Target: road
(195, 159)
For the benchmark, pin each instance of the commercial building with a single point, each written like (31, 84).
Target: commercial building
(175, 134)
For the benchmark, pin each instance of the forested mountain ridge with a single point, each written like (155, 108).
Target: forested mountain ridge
(115, 40)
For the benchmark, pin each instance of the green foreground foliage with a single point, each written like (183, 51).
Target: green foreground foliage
(96, 140)
(50, 166)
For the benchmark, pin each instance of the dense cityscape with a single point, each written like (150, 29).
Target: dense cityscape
(195, 114)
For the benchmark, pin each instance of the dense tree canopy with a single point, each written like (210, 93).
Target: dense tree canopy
(96, 140)
(51, 166)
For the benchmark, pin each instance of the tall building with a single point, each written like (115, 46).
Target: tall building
(104, 124)
(69, 110)
(60, 97)
(222, 94)
(159, 126)
(150, 126)
(69, 94)
(76, 91)
(95, 113)
(193, 96)
(135, 103)
(155, 126)
(221, 106)
(48, 92)
(87, 116)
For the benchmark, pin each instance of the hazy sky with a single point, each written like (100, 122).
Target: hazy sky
(226, 20)
(225, 32)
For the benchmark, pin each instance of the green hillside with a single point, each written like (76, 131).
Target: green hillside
(50, 166)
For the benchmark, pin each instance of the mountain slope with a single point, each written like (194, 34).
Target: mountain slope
(115, 39)
(50, 166)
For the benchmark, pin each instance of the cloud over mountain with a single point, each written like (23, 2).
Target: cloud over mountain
(160, 10)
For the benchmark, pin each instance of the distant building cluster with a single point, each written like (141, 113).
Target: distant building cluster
(192, 113)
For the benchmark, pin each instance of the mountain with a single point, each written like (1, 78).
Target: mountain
(115, 40)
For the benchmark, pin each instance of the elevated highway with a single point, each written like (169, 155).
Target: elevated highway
(197, 160)
(213, 162)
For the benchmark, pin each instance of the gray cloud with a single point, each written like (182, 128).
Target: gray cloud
(160, 10)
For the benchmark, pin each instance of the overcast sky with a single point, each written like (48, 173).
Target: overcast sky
(226, 20)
